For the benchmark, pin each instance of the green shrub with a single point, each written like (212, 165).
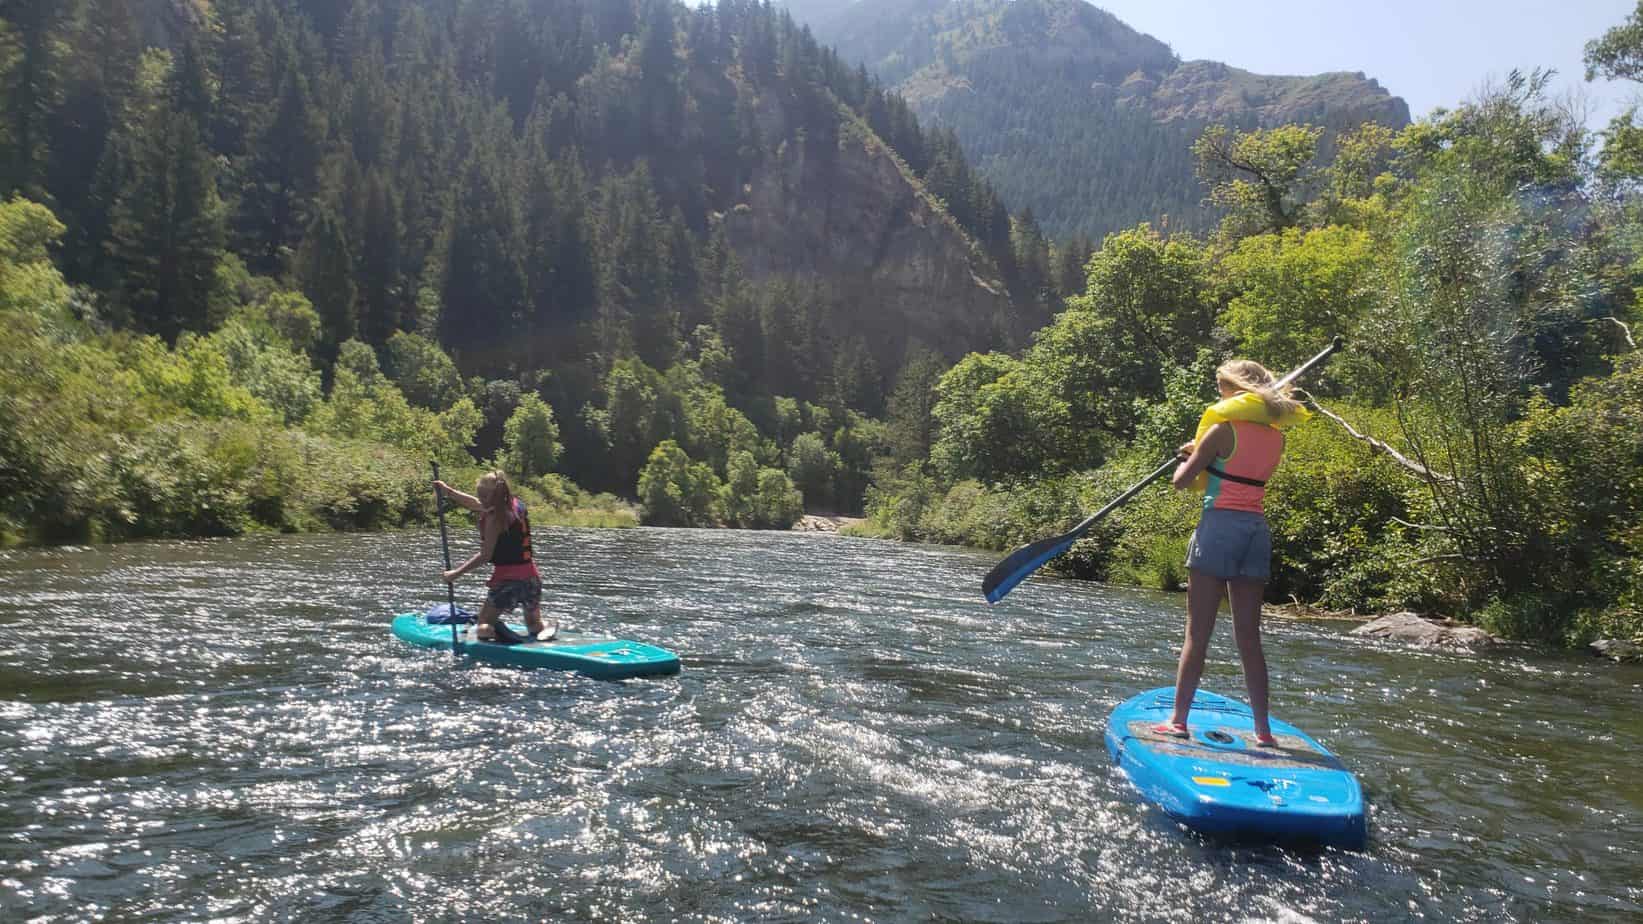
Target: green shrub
(530, 441)
(778, 504)
(813, 467)
(557, 501)
(1333, 506)
(675, 491)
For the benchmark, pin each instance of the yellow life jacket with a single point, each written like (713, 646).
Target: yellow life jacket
(1245, 406)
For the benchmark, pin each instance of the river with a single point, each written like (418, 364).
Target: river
(226, 730)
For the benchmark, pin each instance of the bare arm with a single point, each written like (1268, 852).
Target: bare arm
(1215, 444)
(459, 498)
(490, 530)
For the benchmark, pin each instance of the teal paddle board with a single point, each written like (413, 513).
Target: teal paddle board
(599, 657)
(1219, 782)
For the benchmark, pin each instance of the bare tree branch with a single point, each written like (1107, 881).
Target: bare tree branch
(1441, 529)
(1402, 522)
(1625, 329)
(1382, 447)
(1444, 557)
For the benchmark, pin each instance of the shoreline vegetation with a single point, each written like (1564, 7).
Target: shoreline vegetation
(257, 280)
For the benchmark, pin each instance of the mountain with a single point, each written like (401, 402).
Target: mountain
(1072, 113)
(598, 201)
(562, 171)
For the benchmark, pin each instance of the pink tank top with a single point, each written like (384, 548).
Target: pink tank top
(1256, 451)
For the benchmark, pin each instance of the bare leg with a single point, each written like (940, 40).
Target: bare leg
(534, 624)
(1246, 629)
(1203, 602)
(487, 618)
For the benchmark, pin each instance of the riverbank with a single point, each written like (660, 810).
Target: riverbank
(1416, 629)
(827, 523)
(368, 489)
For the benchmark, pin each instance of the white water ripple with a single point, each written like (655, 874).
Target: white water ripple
(226, 730)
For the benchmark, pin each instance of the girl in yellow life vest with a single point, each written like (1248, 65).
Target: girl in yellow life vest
(1237, 448)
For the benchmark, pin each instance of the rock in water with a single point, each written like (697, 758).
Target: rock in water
(1419, 630)
(1617, 649)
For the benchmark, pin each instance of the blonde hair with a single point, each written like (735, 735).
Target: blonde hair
(1249, 375)
(494, 491)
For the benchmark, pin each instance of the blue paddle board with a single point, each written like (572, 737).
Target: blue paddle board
(1218, 782)
(602, 658)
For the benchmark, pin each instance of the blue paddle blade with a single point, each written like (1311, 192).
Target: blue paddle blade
(1021, 563)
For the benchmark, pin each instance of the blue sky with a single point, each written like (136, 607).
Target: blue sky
(1430, 52)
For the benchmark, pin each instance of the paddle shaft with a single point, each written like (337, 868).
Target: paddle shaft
(445, 547)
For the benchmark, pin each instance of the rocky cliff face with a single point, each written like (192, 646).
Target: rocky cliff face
(1069, 111)
(1208, 91)
(164, 23)
(851, 216)
(848, 216)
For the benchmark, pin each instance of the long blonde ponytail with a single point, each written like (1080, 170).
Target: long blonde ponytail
(1249, 375)
(494, 486)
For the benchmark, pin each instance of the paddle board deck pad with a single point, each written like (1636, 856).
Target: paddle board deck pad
(1219, 782)
(599, 657)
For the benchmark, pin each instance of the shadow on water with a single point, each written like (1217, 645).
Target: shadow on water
(229, 732)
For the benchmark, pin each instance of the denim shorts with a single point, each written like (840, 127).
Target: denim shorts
(1233, 545)
(509, 594)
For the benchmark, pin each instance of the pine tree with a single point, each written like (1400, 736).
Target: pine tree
(324, 268)
(191, 82)
(244, 72)
(910, 408)
(167, 230)
(283, 178)
(33, 88)
(98, 87)
(381, 297)
(484, 289)
(1068, 266)
(638, 313)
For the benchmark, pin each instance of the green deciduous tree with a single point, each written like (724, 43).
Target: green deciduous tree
(813, 468)
(423, 372)
(1297, 290)
(1490, 303)
(1618, 55)
(778, 503)
(676, 491)
(1260, 177)
(269, 367)
(365, 405)
(990, 424)
(530, 443)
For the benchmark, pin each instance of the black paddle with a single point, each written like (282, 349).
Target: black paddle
(1029, 558)
(445, 546)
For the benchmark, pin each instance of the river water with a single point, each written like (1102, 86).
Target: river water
(226, 730)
